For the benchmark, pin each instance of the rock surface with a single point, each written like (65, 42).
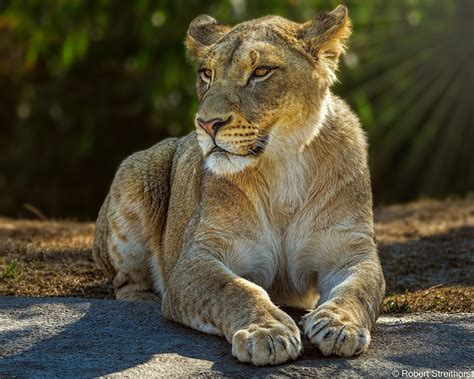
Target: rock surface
(71, 337)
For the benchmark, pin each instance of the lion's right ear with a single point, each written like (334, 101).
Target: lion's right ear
(202, 33)
(325, 36)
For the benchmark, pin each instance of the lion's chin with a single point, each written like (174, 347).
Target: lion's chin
(222, 163)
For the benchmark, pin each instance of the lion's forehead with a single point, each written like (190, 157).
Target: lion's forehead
(242, 51)
(258, 53)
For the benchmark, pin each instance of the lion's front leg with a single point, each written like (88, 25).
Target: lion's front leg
(205, 295)
(352, 291)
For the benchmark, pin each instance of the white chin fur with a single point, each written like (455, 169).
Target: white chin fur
(221, 164)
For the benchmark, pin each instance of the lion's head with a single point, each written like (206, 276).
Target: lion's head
(262, 84)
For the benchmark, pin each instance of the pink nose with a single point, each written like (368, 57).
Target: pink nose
(212, 126)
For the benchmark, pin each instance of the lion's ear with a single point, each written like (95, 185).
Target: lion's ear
(202, 33)
(325, 35)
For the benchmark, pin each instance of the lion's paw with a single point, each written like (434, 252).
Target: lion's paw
(272, 341)
(335, 333)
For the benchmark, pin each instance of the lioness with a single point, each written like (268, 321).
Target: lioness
(267, 202)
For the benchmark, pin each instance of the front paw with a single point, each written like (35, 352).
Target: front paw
(273, 340)
(334, 332)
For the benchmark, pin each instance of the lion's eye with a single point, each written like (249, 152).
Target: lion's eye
(260, 72)
(206, 75)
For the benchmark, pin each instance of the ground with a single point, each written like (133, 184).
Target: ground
(89, 338)
(426, 249)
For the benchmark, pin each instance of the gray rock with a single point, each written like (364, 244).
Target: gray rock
(72, 337)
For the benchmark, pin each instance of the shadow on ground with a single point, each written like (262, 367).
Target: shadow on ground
(445, 259)
(64, 337)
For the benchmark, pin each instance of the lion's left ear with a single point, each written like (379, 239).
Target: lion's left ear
(202, 33)
(325, 35)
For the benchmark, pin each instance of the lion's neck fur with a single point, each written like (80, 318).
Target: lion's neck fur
(285, 174)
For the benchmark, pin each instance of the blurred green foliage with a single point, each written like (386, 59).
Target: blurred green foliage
(85, 83)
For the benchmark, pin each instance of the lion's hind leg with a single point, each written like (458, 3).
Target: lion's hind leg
(131, 257)
(121, 250)
(131, 215)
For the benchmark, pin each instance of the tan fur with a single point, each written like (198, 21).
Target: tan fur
(281, 214)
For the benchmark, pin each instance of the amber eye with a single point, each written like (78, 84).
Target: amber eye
(206, 75)
(261, 71)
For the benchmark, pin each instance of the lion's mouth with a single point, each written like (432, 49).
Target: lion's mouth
(258, 149)
(218, 149)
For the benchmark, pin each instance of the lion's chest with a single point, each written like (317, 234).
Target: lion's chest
(274, 257)
(284, 235)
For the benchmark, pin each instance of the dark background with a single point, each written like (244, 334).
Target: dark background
(83, 84)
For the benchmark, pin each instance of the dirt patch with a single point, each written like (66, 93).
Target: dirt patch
(427, 253)
(49, 258)
(426, 249)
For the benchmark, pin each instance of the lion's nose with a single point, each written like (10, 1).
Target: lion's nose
(212, 126)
